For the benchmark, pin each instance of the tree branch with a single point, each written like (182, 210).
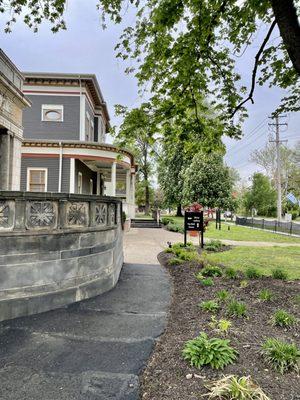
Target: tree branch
(254, 71)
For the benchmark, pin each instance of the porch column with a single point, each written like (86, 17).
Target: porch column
(98, 192)
(113, 178)
(128, 186)
(4, 159)
(133, 189)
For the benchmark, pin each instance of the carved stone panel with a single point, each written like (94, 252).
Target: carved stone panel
(41, 215)
(7, 215)
(101, 214)
(77, 214)
(112, 214)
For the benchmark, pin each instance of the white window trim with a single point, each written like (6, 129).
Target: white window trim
(36, 169)
(79, 177)
(49, 107)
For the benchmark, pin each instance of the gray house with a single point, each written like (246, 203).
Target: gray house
(64, 147)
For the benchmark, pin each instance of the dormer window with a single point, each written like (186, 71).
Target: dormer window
(52, 113)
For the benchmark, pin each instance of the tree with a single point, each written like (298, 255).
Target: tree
(261, 196)
(140, 195)
(290, 169)
(185, 48)
(207, 181)
(136, 134)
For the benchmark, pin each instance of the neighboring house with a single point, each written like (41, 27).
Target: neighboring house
(12, 103)
(64, 147)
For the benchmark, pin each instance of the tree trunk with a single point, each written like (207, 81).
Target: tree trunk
(147, 197)
(179, 212)
(287, 21)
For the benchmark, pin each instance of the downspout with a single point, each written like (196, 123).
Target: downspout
(60, 166)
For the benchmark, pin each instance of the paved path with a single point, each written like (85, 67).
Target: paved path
(93, 350)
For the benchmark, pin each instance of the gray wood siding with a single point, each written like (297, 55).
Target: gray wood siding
(87, 174)
(53, 172)
(35, 128)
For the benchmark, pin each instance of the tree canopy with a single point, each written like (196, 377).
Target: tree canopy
(187, 49)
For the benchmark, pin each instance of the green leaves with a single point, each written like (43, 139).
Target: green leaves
(214, 352)
(282, 356)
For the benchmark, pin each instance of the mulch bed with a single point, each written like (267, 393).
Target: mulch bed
(165, 376)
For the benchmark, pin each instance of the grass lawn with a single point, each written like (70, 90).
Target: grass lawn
(263, 258)
(241, 233)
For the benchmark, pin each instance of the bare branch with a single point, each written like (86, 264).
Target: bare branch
(254, 71)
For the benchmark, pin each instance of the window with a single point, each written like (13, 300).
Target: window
(91, 186)
(92, 131)
(87, 127)
(79, 183)
(52, 113)
(37, 179)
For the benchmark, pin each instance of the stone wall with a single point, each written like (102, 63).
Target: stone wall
(56, 249)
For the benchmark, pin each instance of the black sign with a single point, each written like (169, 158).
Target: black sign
(193, 221)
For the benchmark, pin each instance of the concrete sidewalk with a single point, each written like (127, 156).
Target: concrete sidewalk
(92, 350)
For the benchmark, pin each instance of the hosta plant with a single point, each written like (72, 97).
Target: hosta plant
(214, 352)
(209, 305)
(232, 387)
(221, 325)
(284, 319)
(282, 356)
(214, 245)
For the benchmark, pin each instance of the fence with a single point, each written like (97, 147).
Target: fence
(291, 228)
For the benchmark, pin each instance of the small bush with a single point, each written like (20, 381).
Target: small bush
(282, 356)
(233, 388)
(214, 245)
(209, 305)
(265, 295)
(231, 273)
(214, 352)
(175, 261)
(284, 319)
(236, 309)
(244, 283)
(211, 270)
(223, 295)
(279, 273)
(186, 255)
(207, 282)
(166, 220)
(173, 227)
(252, 273)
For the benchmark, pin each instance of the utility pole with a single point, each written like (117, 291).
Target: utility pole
(278, 162)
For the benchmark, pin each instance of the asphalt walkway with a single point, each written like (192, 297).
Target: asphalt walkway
(92, 350)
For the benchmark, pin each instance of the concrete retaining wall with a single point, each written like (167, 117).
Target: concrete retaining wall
(56, 249)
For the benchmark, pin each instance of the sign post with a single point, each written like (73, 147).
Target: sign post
(193, 221)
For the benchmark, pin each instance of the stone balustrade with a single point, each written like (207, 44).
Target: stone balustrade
(56, 249)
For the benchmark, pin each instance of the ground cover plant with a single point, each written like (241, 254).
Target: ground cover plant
(209, 305)
(239, 233)
(284, 319)
(169, 376)
(236, 309)
(211, 270)
(252, 273)
(279, 273)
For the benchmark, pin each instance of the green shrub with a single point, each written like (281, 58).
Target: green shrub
(266, 295)
(173, 227)
(207, 282)
(236, 309)
(214, 352)
(187, 255)
(282, 356)
(284, 319)
(252, 273)
(223, 295)
(209, 305)
(175, 261)
(166, 220)
(232, 387)
(295, 214)
(231, 273)
(279, 273)
(211, 270)
(214, 245)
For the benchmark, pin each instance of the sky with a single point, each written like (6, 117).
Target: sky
(86, 48)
